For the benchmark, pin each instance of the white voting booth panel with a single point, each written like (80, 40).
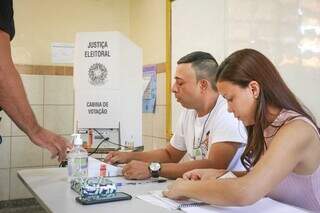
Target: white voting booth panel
(99, 111)
(107, 83)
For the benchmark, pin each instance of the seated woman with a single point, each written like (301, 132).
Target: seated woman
(282, 156)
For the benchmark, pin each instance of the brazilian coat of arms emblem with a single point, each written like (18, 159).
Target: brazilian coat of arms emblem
(97, 74)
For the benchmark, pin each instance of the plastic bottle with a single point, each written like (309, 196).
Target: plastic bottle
(77, 159)
(129, 145)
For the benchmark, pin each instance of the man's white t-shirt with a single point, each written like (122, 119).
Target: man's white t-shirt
(201, 132)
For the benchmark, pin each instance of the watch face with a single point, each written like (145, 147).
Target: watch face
(155, 166)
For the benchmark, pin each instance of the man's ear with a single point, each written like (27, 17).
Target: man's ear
(204, 84)
(254, 87)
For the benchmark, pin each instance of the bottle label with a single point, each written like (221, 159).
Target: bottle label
(81, 163)
(78, 167)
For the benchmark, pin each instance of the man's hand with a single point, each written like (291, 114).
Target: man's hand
(136, 170)
(56, 144)
(203, 174)
(118, 157)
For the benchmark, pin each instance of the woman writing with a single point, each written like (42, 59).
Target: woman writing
(282, 155)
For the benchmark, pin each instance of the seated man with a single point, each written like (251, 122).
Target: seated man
(204, 125)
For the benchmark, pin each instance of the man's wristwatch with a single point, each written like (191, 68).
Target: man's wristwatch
(154, 168)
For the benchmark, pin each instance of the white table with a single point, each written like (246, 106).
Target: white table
(52, 190)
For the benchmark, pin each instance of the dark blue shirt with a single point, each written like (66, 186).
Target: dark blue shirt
(6, 17)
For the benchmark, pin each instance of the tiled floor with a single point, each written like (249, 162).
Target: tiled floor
(21, 206)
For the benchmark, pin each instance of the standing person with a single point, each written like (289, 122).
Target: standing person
(282, 155)
(13, 98)
(209, 135)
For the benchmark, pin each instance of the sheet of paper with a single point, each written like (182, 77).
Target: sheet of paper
(62, 53)
(156, 198)
(228, 175)
(155, 201)
(265, 205)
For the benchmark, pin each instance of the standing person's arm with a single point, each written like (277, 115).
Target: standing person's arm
(14, 102)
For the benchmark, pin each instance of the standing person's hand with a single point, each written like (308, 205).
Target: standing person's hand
(56, 144)
(118, 157)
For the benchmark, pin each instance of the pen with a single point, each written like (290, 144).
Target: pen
(138, 183)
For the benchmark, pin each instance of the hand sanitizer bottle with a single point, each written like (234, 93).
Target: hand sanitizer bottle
(77, 159)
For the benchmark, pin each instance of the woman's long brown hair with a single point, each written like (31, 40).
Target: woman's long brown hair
(247, 65)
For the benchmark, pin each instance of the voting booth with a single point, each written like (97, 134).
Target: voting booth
(108, 84)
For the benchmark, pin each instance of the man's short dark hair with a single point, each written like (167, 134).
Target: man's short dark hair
(204, 65)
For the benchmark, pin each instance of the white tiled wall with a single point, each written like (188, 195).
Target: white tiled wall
(159, 122)
(286, 31)
(24, 153)
(38, 112)
(147, 123)
(64, 95)
(161, 89)
(5, 124)
(59, 118)
(5, 153)
(159, 143)
(17, 189)
(33, 85)
(4, 184)
(51, 98)
(147, 142)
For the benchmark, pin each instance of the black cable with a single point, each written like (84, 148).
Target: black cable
(63, 163)
(96, 149)
(0, 135)
(108, 140)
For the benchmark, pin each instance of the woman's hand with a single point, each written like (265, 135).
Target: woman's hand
(203, 174)
(176, 189)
